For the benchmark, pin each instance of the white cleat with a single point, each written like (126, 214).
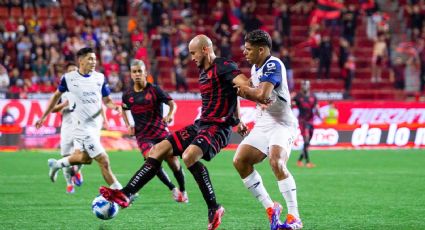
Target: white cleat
(53, 171)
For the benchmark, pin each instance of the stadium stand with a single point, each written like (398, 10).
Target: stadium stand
(121, 30)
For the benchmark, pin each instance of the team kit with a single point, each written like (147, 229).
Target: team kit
(83, 92)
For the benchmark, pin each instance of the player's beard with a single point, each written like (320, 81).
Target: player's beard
(201, 63)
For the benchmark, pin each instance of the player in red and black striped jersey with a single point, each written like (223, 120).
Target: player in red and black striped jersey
(145, 102)
(205, 138)
(308, 108)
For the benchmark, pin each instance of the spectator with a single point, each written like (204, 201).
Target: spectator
(286, 59)
(411, 73)
(283, 23)
(398, 69)
(379, 56)
(225, 48)
(4, 79)
(349, 23)
(348, 75)
(277, 42)
(325, 57)
(166, 30)
(40, 70)
(179, 76)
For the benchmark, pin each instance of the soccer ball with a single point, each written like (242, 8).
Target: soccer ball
(104, 209)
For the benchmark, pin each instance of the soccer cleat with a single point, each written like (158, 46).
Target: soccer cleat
(273, 213)
(115, 195)
(53, 171)
(310, 165)
(78, 178)
(183, 198)
(214, 217)
(300, 164)
(176, 194)
(70, 189)
(292, 223)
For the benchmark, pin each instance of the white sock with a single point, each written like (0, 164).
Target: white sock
(289, 191)
(62, 163)
(255, 185)
(116, 185)
(67, 175)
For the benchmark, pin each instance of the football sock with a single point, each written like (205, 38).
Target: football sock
(302, 154)
(202, 177)
(180, 179)
(116, 185)
(255, 185)
(289, 191)
(163, 176)
(63, 162)
(142, 177)
(67, 175)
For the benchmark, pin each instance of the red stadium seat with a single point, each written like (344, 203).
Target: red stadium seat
(16, 12)
(29, 12)
(42, 13)
(4, 13)
(55, 12)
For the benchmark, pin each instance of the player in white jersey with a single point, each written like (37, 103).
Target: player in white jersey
(273, 133)
(87, 89)
(66, 142)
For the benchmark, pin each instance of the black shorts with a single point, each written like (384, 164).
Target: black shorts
(306, 128)
(211, 138)
(145, 145)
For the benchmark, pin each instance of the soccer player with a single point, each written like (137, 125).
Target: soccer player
(273, 132)
(145, 100)
(308, 107)
(201, 140)
(87, 89)
(66, 143)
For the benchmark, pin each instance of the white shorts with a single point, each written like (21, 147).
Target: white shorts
(67, 143)
(91, 144)
(263, 138)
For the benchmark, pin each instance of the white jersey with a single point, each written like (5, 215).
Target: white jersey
(85, 101)
(279, 111)
(66, 114)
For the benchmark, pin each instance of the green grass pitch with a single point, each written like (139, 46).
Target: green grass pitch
(366, 189)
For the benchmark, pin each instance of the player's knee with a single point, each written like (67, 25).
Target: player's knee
(173, 163)
(238, 162)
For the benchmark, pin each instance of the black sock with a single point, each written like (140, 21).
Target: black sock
(301, 155)
(163, 176)
(142, 177)
(307, 157)
(180, 179)
(202, 177)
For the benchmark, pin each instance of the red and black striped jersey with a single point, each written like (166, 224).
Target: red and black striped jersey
(146, 109)
(306, 105)
(219, 99)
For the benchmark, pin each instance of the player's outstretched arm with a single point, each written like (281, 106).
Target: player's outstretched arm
(173, 108)
(51, 104)
(59, 107)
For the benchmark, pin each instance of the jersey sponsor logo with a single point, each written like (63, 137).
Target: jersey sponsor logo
(131, 99)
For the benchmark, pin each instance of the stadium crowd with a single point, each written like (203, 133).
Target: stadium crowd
(38, 38)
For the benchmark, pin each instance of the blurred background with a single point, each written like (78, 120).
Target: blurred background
(365, 60)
